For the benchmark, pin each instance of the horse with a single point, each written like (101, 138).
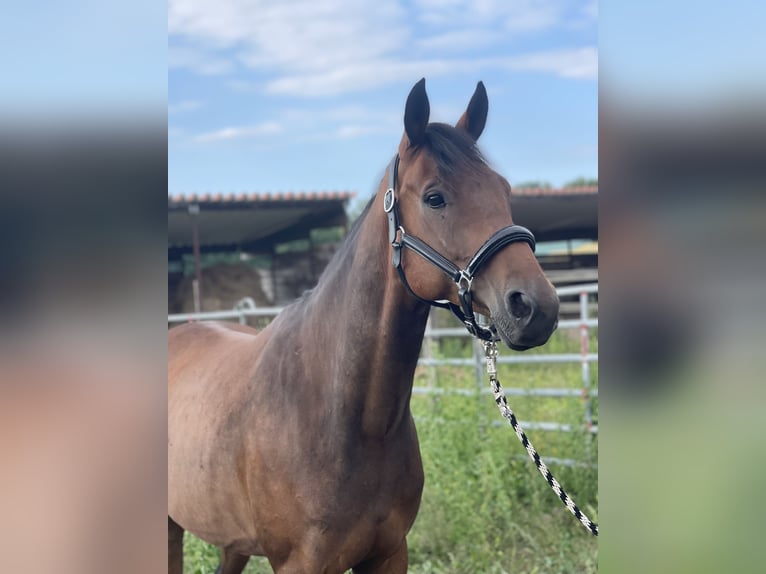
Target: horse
(297, 442)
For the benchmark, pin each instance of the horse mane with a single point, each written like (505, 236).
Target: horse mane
(348, 246)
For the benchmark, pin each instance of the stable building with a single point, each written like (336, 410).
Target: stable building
(272, 247)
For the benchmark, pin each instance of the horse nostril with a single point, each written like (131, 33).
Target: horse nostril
(520, 305)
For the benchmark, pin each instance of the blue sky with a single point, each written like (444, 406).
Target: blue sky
(309, 94)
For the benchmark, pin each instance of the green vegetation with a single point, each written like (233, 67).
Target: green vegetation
(583, 182)
(533, 184)
(540, 184)
(355, 208)
(485, 507)
(186, 264)
(317, 236)
(321, 235)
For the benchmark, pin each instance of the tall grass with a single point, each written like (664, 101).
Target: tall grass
(485, 507)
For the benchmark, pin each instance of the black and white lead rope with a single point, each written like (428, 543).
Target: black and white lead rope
(490, 350)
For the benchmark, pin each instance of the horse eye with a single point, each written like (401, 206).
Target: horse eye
(435, 200)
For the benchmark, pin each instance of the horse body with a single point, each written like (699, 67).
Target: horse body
(297, 442)
(335, 445)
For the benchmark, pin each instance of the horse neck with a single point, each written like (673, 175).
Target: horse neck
(376, 326)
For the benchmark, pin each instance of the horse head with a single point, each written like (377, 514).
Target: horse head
(449, 199)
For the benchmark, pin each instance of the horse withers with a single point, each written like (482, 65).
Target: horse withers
(297, 442)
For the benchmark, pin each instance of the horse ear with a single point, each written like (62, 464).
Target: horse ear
(474, 118)
(416, 113)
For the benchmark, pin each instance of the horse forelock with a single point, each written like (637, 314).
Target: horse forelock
(453, 150)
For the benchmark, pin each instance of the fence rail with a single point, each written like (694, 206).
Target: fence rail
(584, 323)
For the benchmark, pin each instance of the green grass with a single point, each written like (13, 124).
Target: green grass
(485, 507)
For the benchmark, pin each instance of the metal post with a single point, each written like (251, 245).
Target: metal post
(195, 295)
(478, 354)
(585, 365)
(273, 270)
(478, 368)
(479, 373)
(584, 338)
(197, 284)
(244, 304)
(428, 351)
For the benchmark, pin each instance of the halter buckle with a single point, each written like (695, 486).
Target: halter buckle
(464, 281)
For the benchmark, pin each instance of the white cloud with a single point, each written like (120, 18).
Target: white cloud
(314, 48)
(360, 76)
(242, 86)
(184, 106)
(581, 63)
(578, 63)
(459, 40)
(350, 131)
(515, 15)
(297, 35)
(198, 61)
(591, 9)
(532, 20)
(239, 132)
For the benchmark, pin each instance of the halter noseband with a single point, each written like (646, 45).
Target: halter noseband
(463, 278)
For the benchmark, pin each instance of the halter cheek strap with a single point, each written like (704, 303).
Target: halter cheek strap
(463, 278)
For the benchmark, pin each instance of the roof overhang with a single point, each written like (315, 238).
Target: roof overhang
(557, 214)
(255, 222)
(252, 222)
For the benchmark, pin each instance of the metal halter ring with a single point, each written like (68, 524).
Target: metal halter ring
(388, 200)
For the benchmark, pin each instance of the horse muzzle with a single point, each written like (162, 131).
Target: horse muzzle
(525, 319)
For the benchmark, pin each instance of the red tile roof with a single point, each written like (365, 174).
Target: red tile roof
(253, 197)
(546, 191)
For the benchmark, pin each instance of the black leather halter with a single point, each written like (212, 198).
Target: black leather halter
(462, 277)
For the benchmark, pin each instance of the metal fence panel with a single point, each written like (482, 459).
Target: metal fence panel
(587, 392)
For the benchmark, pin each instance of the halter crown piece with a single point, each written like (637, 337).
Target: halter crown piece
(463, 278)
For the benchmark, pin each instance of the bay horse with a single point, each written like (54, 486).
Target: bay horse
(297, 442)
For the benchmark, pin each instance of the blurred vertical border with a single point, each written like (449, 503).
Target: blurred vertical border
(83, 175)
(682, 157)
(83, 172)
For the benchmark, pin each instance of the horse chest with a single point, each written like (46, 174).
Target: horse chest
(366, 493)
(358, 480)
(347, 520)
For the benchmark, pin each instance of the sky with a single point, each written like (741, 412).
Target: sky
(304, 95)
